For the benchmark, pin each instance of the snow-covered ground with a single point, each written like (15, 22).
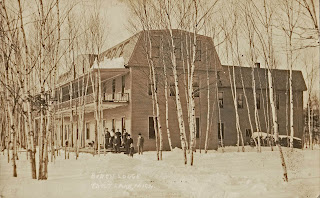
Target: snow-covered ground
(216, 174)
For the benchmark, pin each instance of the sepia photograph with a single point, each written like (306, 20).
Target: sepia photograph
(159, 99)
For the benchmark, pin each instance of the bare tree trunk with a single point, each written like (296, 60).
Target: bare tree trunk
(309, 125)
(178, 101)
(41, 143)
(291, 110)
(154, 86)
(11, 125)
(167, 100)
(275, 126)
(14, 152)
(248, 109)
(208, 101)
(234, 96)
(256, 109)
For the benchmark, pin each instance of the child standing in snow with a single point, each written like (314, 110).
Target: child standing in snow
(131, 150)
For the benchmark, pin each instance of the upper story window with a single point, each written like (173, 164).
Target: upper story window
(75, 90)
(258, 97)
(89, 89)
(177, 47)
(151, 86)
(220, 98)
(240, 100)
(172, 88)
(196, 87)
(155, 42)
(198, 50)
(65, 94)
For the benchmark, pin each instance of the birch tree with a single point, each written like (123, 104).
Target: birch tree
(291, 14)
(266, 20)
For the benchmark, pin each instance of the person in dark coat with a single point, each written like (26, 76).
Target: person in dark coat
(116, 144)
(131, 149)
(140, 143)
(124, 137)
(128, 143)
(119, 136)
(107, 138)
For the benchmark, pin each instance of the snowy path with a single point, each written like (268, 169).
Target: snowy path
(229, 174)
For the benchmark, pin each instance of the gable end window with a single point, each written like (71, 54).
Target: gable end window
(240, 100)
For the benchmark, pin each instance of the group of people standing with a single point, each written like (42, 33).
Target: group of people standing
(116, 140)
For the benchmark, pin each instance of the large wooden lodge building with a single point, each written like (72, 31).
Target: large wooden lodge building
(127, 101)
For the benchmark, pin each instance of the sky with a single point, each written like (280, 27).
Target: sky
(117, 15)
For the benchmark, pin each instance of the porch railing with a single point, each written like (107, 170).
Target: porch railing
(116, 97)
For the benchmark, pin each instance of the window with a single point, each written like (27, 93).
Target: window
(57, 95)
(113, 88)
(89, 89)
(248, 133)
(277, 101)
(65, 132)
(220, 98)
(87, 131)
(196, 89)
(197, 127)
(240, 100)
(123, 124)
(177, 47)
(75, 90)
(172, 87)
(104, 89)
(150, 86)
(123, 80)
(220, 130)
(198, 50)
(80, 87)
(65, 94)
(113, 125)
(155, 51)
(152, 133)
(258, 100)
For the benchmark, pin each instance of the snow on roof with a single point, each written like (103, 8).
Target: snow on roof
(284, 136)
(264, 135)
(115, 63)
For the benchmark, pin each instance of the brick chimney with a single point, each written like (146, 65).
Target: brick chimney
(257, 65)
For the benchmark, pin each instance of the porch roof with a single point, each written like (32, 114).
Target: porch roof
(106, 74)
